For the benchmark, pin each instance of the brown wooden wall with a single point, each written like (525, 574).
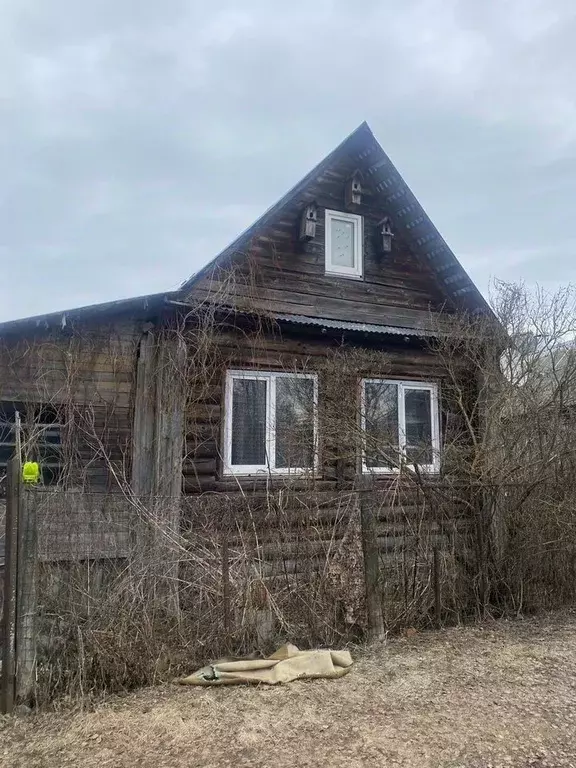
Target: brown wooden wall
(291, 528)
(339, 367)
(276, 272)
(87, 374)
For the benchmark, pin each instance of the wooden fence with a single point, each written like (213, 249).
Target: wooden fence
(19, 593)
(241, 572)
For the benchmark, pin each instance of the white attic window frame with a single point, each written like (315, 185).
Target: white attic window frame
(357, 270)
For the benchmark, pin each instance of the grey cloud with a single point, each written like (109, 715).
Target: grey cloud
(137, 138)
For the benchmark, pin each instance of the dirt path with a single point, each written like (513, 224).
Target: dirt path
(502, 695)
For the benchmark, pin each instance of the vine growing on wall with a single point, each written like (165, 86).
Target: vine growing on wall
(251, 562)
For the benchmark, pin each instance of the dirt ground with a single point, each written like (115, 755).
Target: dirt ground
(503, 694)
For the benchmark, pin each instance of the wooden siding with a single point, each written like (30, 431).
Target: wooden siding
(278, 273)
(308, 544)
(75, 525)
(202, 466)
(88, 374)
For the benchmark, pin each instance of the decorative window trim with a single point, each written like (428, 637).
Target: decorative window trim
(404, 385)
(357, 270)
(270, 377)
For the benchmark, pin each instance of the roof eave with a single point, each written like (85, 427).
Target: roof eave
(147, 304)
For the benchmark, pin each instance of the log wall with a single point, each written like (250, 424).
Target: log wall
(339, 367)
(273, 271)
(87, 375)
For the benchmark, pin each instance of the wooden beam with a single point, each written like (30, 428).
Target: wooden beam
(170, 405)
(371, 560)
(144, 406)
(165, 408)
(7, 680)
(27, 579)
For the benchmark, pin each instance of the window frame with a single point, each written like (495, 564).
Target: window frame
(356, 271)
(270, 377)
(402, 386)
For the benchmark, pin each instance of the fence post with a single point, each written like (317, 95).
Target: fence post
(437, 592)
(371, 560)
(7, 681)
(26, 590)
(225, 583)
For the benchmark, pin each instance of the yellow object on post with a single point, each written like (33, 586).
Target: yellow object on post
(31, 472)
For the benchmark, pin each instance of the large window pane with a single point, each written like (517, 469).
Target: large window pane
(418, 407)
(294, 422)
(381, 430)
(342, 243)
(249, 422)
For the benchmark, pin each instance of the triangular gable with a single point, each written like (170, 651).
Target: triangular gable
(409, 218)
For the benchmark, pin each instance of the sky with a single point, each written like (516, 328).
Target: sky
(138, 138)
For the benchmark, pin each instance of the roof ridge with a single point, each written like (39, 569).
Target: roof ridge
(263, 218)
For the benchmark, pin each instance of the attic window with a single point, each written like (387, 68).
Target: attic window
(343, 244)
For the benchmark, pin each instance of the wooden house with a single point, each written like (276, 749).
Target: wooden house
(298, 357)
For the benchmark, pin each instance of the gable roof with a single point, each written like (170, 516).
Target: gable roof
(400, 203)
(398, 200)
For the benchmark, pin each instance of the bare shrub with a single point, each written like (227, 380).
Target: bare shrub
(512, 442)
(136, 588)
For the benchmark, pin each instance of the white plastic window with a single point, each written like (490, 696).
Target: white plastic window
(344, 244)
(400, 425)
(270, 424)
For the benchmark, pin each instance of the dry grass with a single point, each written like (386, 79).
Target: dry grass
(498, 695)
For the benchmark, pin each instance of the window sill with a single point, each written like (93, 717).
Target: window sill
(264, 473)
(329, 273)
(434, 471)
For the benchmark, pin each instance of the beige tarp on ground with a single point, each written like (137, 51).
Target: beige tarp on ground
(286, 664)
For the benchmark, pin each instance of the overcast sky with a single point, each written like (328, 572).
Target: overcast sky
(137, 137)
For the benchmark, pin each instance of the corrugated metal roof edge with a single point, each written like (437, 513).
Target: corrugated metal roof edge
(324, 322)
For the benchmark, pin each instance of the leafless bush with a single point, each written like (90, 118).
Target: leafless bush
(126, 597)
(251, 573)
(512, 440)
